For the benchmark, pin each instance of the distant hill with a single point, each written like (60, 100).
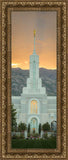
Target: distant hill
(19, 78)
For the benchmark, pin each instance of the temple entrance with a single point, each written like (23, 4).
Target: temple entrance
(34, 125)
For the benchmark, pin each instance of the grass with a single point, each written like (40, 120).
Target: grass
(34, 143)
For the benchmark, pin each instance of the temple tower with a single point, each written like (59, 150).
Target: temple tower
(34, 83)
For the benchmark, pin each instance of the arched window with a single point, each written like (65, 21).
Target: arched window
(34, 107)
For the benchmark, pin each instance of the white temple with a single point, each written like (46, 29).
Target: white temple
(34, 106)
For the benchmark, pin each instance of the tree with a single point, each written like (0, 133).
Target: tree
(46, 127)
(21, 127)
(13, 118)
(39, 128)
(28, 128)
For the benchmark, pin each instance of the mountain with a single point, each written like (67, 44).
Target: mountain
(19, 79)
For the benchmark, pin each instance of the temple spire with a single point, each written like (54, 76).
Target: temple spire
(34, 52)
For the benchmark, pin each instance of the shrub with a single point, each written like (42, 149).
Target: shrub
(35, 135)
(21, 127)
(45, 135)
(14, 136)
(46, 127)
(21, 136)
(28, 134)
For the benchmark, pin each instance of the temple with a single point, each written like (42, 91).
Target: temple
(34, 107)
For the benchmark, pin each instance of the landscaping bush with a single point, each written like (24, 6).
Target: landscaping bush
(45, 135)
(36, 135)
(28, 134)
(14, 136)
(46, 127)
(21, 136)
(18, 136)
(22, 127)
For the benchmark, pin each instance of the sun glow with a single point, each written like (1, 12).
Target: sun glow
(15, 65)
(23, 65)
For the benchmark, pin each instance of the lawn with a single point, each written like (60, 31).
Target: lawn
(34, 143)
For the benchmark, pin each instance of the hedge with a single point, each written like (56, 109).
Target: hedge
(34, 143)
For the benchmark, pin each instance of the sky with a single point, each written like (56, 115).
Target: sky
(22, 40)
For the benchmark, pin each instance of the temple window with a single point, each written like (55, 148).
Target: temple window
(34, 107)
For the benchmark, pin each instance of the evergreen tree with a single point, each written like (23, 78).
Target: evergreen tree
(13, 119)
(28, 128)
(39, 128)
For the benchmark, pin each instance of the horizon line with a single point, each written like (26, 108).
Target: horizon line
(29, 69)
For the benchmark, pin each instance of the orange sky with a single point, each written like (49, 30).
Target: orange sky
(23, 25)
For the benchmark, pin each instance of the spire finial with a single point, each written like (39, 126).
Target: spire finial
(34, 32)
(34, 52)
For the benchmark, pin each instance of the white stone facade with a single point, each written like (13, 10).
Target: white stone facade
(34, 106)
(46, 108)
